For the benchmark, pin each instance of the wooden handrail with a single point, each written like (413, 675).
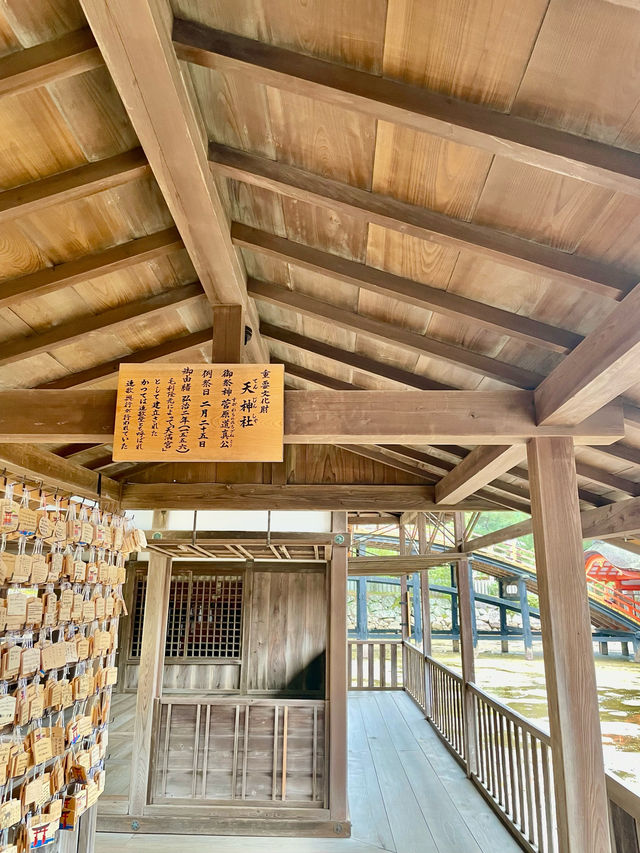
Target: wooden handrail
(511, 715)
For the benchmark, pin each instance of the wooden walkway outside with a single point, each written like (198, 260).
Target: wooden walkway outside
(406, 794)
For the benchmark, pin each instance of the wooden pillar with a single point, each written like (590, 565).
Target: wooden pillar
(580, 791)
(338, 668)
(425, 598)
(504, 643)
(417, 610)
(465, 602)
(362, 628)
(455, 624)
(149, 677)
(526, 619)
(228, 334)
(472, 605)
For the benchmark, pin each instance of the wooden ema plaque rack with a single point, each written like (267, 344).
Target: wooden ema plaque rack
(200, 412)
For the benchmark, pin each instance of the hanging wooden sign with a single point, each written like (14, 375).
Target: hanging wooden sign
(199, 412)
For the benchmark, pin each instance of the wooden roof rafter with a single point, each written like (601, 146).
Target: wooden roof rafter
(135, 42)
(403, 104)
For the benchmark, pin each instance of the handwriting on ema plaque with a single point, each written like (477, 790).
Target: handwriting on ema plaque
(200, 413)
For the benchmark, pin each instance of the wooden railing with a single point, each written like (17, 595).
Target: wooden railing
(512, 757)
(206, 748)
(414, 676)
(375, 665)
(624, 807)
(445, 704)
(513, 767)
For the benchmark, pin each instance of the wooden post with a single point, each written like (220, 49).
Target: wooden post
(417, 611)
(526, 619)
(338, 669)
(504, 643)
(465, 603)
(362, 628)
(472, 606)
(574, 722)
(455, 628)
(424, 586)
(228, 334)
(149, 677)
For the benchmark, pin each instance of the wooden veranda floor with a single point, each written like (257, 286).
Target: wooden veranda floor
(406, 794)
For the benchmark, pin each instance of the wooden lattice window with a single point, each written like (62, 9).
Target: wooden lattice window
(137, 615)
(204, 619)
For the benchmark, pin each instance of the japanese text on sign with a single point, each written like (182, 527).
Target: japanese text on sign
(199, 412)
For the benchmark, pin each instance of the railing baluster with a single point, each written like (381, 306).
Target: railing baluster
(518, 733)
(371, 683)
(548, 794)
(513, 812)
(383, 666)
(274, 765)
(537, 794)
(394, 666)
(527, 769)
(359, 672)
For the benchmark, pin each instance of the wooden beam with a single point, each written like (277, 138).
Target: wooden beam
(107, 321)
(603, 366)
(265, 496)
(508, 249)
(400, 565)
(73, 53)
(606, 478)
(352, 359)
(228, 334)
(169, 349)
(73, 184)
(376, 455)
(617, 519)
(436, 299)
(478, 469)
(53, 471)
(379, 330)
(323, 417)
(135, 40)
(51, 279)
(502, 134)
(574, 718)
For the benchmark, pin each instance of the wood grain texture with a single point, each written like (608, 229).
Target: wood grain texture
(579, 782)
(386, 283)
(509, 249)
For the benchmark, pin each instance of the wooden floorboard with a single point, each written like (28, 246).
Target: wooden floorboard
(406, 793)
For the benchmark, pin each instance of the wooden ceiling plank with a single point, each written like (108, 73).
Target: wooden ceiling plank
(66, 56)
(253, 496)
(414, 293)
(173, 347)
(108, 321)
(135, 41)
(351, 359)
(602, 367)
(55, 472)
(73, 184)
(324, 417)
(386, 332)
(477, 469)
(377, 455)
(317, 378)
(499, 133)
(120, 257)
(394, 214)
